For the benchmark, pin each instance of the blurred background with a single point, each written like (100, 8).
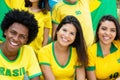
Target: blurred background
(118, 5)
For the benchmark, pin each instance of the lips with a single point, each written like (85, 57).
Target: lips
(64, 39)
(13, 45)
(106, 38)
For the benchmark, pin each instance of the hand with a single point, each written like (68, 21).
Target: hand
(117, 78)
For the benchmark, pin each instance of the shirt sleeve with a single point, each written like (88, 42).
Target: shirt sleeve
(91, 59)
(56, 15)
(48, 21)
(34, 68)
(44, 56)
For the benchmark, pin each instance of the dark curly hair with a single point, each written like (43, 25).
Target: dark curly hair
(24, 18)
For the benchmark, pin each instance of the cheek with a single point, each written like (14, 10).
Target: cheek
(99, 33)
(24, 41)
(73, 38)
(115, 35)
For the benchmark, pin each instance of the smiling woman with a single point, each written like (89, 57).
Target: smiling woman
(104, 53)
(65, 58)
(18, 30)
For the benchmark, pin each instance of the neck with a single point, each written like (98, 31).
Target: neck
(7, 53)
(34, 7)
(59, 48)
(105, 49)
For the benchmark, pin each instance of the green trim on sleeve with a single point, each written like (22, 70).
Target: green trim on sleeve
(35, 75)
(78, 66)
(55, 22)
(90, 68)
(44, 63)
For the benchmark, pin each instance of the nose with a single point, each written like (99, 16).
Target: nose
(16, 37)
(67, 34)
(108, 32)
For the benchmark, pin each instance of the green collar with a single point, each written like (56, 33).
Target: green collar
(68, 61)
(7, 58)
(113, 48)
(66, 2)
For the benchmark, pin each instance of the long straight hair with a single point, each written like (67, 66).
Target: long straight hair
(79, 42)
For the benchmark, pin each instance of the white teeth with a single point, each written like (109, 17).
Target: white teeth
(64, 39)
(106, 38)
(14, 44)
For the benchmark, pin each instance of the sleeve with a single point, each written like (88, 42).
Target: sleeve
(75, 57)
(78, 64)
(44, 56)
(91, 59)
(56, 15)
(48, 21)
(34, 68)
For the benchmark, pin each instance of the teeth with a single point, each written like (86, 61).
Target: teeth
(14, 44)
(64, 39)
(106, 38)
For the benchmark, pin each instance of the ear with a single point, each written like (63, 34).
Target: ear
(5, 32)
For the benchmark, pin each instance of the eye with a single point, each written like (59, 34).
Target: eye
(64, 30)
(113, 30)
(13, 32)
(72, 33)
(103, 28)
(22, 37)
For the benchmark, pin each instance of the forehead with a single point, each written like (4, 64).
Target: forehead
(20, 28)
(109, 24)
(69, 27)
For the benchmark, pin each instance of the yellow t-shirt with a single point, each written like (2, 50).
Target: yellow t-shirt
(44, 21)
(26, 63)
(105, 67)
(47, 56)
(15, 4)
(81, 11)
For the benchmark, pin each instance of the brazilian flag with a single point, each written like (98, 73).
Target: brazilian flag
(4, 8)
(100, 8)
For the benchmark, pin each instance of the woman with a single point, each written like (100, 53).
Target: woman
(65, 58)
(104, 54)
(41, 11)
(16, 58)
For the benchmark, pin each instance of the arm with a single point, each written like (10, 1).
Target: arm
(47, 72)
(36, 78)
(53, 30)
(91, 75)
(45, 36)
(80, 73)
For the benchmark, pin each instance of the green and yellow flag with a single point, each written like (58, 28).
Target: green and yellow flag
(5, 6)
(99, 8)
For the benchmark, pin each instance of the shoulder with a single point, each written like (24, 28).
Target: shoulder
(92, 50)
(27, 49)
(117, 43)
(46, 49)
(58, 5)
(92, 47)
